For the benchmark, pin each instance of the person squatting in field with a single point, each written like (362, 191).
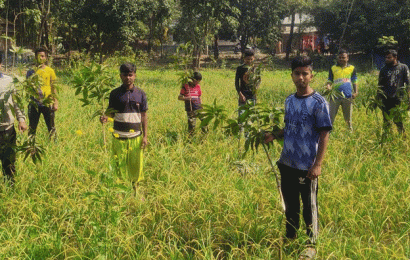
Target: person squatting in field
(392, 78)
(343, 77)
(306, 134)
(191, 94)
(47, 90)
(127, 107)
(7, 131)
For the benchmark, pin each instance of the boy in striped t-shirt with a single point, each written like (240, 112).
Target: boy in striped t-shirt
(191, 94)
(128, 106)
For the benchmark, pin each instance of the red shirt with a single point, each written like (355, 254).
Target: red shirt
(193, 92)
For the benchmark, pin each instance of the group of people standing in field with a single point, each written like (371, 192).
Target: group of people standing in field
(308, 122)
(44, 103)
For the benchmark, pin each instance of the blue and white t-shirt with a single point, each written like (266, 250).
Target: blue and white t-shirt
(305, 118)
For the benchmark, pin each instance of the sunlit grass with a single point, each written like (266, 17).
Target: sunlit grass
(199, 203)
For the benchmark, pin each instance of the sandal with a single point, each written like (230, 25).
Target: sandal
(308, 253)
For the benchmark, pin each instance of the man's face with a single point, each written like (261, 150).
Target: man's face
(342, 59)
(302, 76)
(127, 78)
(390, 59)
(249, 60)
(41, 57)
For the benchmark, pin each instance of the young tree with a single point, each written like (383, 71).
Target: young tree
(258, 19)
(367, 23)
(199, 23)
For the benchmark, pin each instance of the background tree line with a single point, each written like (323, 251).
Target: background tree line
(101, 27)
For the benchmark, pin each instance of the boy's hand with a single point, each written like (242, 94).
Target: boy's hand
(144, 142)
(103, 119)
(54, 106)
(354, 95)
(22, 126)
(314, 171)
(269, 138)
(242, 97)
(328, 86)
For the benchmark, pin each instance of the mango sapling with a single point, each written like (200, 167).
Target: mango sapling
(93, 83)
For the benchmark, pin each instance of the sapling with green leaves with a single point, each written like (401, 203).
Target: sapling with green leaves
(182, 61)
(332, 94)
(26, 91)
(93, 83)
(260, 119)
(254, 77)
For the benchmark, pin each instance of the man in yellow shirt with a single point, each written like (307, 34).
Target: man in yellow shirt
(46, 103)
(344, 78)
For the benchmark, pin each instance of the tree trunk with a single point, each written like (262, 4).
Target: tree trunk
(149, 47)
(70, 40)
(44, 17)
(244, 42)
(7, 34)
(162, 47)
(216, 48)
(100, 46)
(289, 42)
(46, 39)
(197, 55)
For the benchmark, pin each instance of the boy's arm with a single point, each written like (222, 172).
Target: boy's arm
(19, 115)
(183, 98)
(237, 84)
(108, 112)
(54, 106)
(269, 137)
(353, 79)
(316, 168)
(53, 78)
(330, 79)
(144, 122)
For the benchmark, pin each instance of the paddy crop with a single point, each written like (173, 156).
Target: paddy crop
(202, 199)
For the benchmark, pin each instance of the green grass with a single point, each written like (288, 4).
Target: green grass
(199, 203)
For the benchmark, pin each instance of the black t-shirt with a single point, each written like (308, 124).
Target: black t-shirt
(241, 85)
(392, 78)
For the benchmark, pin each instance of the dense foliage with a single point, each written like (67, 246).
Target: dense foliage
(367, 21)
(101, 27)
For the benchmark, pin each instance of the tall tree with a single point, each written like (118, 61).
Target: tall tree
(258, 19)
(158, 18)
(368, 22)
(199, 23)
(294, 7)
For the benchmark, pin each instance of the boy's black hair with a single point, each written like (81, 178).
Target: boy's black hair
(248, 53)
(197, 76)
(301, 61)
(392, 52)
(342, 51)
(41, 50)
(127, 68)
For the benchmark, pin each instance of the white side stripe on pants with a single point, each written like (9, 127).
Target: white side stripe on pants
(315, 222)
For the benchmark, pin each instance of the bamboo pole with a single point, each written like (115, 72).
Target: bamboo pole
(276, 177)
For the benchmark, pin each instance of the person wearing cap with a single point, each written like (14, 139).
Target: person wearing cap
(191, 94)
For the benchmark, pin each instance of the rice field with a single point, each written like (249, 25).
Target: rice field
(202, 199)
